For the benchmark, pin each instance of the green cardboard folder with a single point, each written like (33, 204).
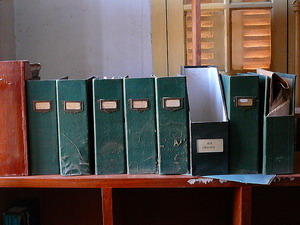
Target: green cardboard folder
(242, 102)
(172, 125)
(109, 126)
(74, 126)
(42, 127)
(279, 124)
(23, 212)
(209, 122)
(140, 125)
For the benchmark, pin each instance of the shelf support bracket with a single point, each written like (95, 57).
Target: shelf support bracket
(242, 205)
(107, 206)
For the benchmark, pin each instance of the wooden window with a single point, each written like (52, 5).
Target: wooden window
(236, 35)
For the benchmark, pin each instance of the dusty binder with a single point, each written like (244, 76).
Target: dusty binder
(172, 125)
(140, 125)
(75, 135)
(279, 123)
(242, 103)
(209, 123)
(42, 127)
(109, 126)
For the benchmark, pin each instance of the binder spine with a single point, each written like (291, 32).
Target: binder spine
(42, 127)
(242, 101)
(109, 126)
(73, 127)
(140, 125)
(172, 125)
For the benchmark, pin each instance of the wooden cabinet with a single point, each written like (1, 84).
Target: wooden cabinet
(155, 199)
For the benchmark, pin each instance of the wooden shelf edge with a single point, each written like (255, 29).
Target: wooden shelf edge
(131, 181)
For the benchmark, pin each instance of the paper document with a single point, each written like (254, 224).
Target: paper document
(246, 178)
(280, 94)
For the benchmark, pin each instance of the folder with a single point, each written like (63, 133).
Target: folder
(23, 212)
(140, 125)
(16, 216)
(172, 125)
(209, 122)
(242, 103)
(279, 123)
(13, 122)
(42, 127)
(75, 119)
(109, 126)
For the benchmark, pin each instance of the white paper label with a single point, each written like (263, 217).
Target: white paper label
(73, 106)
(109, 105)
(245, 102)
(172, 103)
(140, 104)
(42, 106)
(209, 145)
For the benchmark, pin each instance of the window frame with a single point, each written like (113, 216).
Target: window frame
(173, 39)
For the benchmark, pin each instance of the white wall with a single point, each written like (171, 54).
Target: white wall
(82, 38)
(7, 32)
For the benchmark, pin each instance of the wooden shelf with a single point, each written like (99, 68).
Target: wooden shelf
(113, 186)
(131, 181)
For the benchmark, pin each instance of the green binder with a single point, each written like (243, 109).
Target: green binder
(242, 102)
(172, 125)
(279, 128)
(109, 126)
(42, 127)
(140, 125)
(74, 126)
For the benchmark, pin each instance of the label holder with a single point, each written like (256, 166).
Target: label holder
(245, 102)
(72, 106)
(108, 105)
(172, 103)
(42, 106)
(139, 105)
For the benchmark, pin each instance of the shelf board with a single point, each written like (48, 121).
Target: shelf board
(131, 181)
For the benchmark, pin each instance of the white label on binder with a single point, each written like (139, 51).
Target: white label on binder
(73, 106)
(209, 145)
(108, 105)
(42, 106)
(172, 103)
(140, 104)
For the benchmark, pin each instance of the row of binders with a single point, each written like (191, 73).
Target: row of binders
(199, 123)
(113, 125)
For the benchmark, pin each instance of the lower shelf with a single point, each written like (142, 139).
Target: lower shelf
(58, 206)
(173, 206)
(155, 199)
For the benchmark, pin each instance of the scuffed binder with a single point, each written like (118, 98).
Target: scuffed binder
(172, 125)
(209, 123)
(140, 125)
(109, 126)
(75, 135)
